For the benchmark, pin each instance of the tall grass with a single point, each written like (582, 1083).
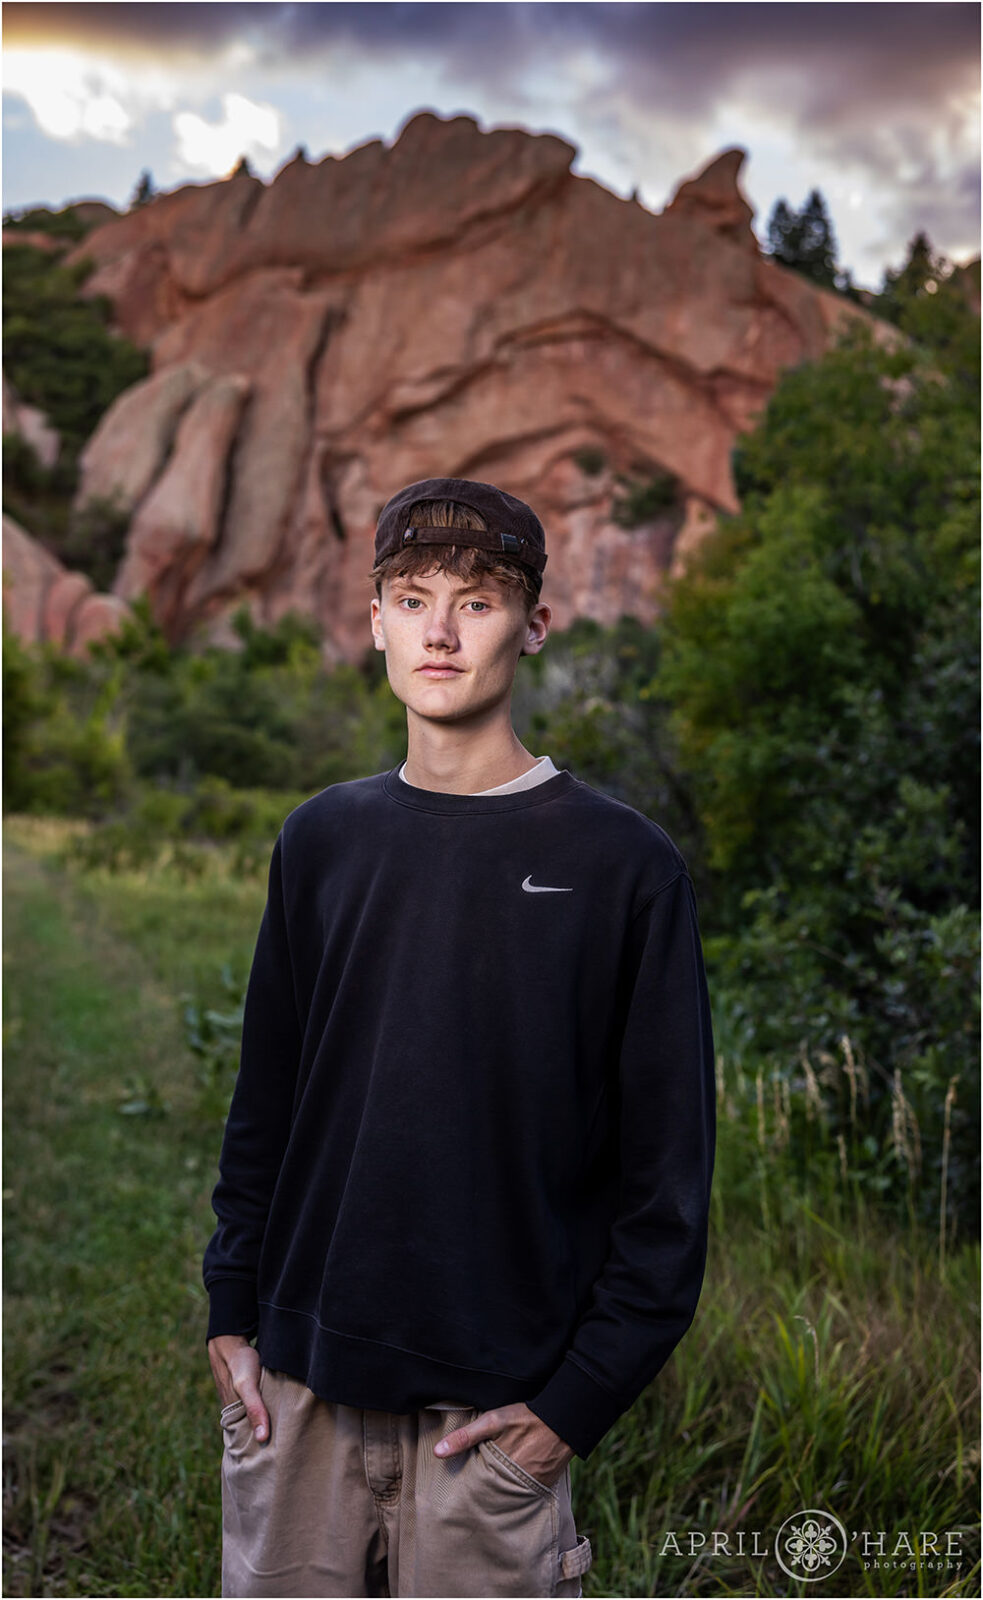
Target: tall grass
(832, 1363)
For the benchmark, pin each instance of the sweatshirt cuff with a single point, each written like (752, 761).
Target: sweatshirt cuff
(232, 1307)
(577, 1408)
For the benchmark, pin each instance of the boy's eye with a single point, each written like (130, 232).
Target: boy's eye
(413, 603)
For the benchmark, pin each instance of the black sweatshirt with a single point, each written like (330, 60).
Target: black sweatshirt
(470, 1145)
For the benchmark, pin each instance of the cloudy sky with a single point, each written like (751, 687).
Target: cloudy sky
(877, 105)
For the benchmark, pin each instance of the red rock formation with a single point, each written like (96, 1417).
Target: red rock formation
(174, 526)
(42, 600)
(457, 304)
(123, 459)
(715, 200)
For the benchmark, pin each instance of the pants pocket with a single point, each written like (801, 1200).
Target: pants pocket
(504, 1465)
(571, 1566)
(236, 1409)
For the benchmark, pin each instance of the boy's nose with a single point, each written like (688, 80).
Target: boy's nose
(439, 629)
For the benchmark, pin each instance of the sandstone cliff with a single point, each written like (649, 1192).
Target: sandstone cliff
(455, 304)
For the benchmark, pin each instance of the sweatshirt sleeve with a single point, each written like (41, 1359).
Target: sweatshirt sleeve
(646, 1295)
(258, 1124)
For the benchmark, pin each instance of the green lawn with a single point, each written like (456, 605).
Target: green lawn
(110, 1417)
(831, 1365)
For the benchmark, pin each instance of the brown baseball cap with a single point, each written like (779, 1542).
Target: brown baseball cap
(513, 528)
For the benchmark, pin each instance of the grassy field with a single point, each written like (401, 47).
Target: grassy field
(832, 1365)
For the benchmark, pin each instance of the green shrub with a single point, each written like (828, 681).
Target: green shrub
(23, 705)
(95, 540)
(22, 470)
(59, 353)
(65, 224)
(643, 496)
(591, 460)
(821, 661)
(64, 743)
(36, 496)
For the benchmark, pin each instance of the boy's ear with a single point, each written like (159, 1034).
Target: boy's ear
(375, 617)
(537, 628)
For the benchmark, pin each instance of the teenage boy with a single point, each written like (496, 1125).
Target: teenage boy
(466, 1171)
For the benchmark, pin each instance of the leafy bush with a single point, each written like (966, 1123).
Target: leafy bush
(95, 540)
(268, 715)
(65, 224)
(59, 353)
(24, 473)
(644, 495)
(23, 707)
(64, 741)
(821, 661)
(591, 460)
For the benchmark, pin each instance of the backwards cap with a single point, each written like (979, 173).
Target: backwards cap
(513, 528)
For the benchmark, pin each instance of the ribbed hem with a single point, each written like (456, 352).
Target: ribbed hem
(577, 1408)
(374, 1376)
(232, 1307)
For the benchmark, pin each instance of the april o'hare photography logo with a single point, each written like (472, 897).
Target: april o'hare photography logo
(811, 1545)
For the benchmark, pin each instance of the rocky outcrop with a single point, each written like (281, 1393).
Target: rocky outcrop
(172, 531)
(91, 213)
(715, 200)
(133, 442)
(456, 304)
(42, 600)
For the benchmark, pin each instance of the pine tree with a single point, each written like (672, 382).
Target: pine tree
(144, 191)
(921, 274)
(804, 240)
(779, 228)
(928, 299)
(819, 241)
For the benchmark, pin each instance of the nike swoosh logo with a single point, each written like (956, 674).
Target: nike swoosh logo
(542, 888)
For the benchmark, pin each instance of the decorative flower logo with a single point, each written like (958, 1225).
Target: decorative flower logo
(811, 1545)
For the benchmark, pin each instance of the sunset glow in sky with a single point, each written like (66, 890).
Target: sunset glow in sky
(877, 105)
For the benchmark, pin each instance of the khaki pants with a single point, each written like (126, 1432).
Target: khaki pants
(347, 1502)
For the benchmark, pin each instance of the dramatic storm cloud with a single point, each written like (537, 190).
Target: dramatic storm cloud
(876, 105)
